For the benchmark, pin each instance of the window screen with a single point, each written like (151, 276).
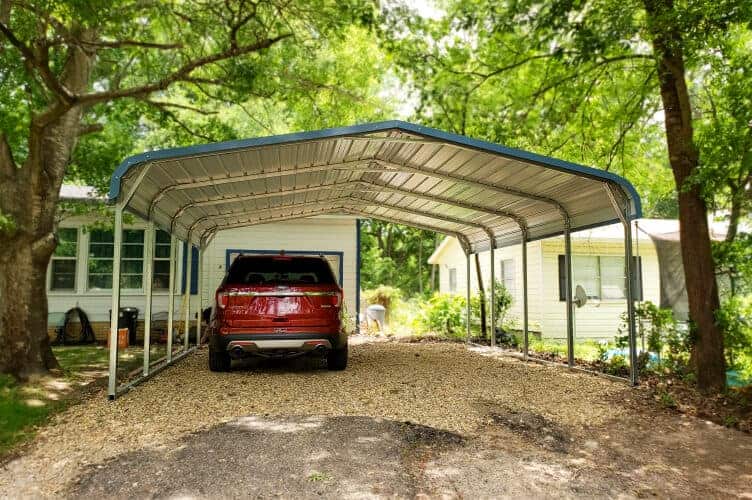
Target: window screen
(280, 270)
(602, 277)
(63, 266)
(508, 275)
(453, 279)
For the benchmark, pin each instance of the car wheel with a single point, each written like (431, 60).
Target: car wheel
(337, 359)
(219, 361)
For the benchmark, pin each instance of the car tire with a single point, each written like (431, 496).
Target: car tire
(219, 361)
(336, 360)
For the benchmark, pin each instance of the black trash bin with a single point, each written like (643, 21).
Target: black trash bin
(128, 318)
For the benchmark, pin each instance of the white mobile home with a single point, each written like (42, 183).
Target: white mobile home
(80, 273)
(597, 266)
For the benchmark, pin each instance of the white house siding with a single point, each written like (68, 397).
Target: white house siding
(453, 257)
(547, 315)
(597, 319)
(321, 234)
(314, 234)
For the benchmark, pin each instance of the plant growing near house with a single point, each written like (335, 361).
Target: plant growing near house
(503, 303)
(444, 313)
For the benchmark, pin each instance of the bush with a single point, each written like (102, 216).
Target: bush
(735, 320)
(443, 313)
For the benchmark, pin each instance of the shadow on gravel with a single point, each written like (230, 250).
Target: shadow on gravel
(293, 457)
(534, 428)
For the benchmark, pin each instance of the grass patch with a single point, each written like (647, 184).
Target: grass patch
(24, 407)
(20, 410)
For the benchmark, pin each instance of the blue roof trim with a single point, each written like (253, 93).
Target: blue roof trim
(433, 133)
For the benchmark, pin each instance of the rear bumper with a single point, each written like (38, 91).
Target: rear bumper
(266, 343)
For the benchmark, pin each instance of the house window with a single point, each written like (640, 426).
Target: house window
(507, 275)
(453, 280)
(101, 250)
(161, 279)
(100, 259)
(602, 277)
(132, 266)
(63, 266)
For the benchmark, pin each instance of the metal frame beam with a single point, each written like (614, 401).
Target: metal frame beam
(362, 165)
(525, 328)
(384, 165)
(467, 296)
(381, 188)
(187, 293)
(371, 203)
(115, 308)
(150, 242)
(171, 295)
(464, 242)
(492, 286)
(622, 213)
(568, 294)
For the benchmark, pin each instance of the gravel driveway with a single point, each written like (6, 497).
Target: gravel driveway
(402, 420)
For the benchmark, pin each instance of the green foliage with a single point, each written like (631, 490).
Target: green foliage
(617, 366)
(387, 296)
(7, 224)
(395, 255)
(503, 302)
(734, 265)
(667, 400)
(18, 413)
(659, 332)
(444, 313)
(735, 320)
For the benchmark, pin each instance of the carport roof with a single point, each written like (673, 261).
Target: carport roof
(392, 170)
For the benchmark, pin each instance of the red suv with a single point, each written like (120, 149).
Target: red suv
(277, 306)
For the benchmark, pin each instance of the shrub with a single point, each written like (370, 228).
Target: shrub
(735, 320)
(443, 313)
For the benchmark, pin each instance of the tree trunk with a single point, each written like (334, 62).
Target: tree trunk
(23, 314)
(29, 197)
(699, 269)
(482, 293)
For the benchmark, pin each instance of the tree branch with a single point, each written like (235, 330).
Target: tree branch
(181, 74)
(117, 44)
(7, 163)
(91, 128)
(162, 104)
(162, 108)
(33, 63)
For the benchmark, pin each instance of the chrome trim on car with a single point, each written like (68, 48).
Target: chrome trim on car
(292, 344)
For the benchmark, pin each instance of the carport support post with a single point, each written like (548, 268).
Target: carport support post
(115, 311)
(200, 295)
(492, 283)
(525, 331)
(630, 300)
(171, 295)
(568, 294)
(148, 278)
(467, 312)
(187, 293)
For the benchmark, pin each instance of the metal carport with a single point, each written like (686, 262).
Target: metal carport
(487, 195)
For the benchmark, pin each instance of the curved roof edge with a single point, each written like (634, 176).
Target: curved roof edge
(481, 145)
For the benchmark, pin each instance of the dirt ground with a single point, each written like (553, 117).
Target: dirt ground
(404, 420)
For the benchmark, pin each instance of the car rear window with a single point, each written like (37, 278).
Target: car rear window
(280, 270)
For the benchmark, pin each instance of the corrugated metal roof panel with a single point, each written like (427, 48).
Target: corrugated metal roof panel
(391, 170)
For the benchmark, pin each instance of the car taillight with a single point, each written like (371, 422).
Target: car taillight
(223, 298)
(336, 299)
